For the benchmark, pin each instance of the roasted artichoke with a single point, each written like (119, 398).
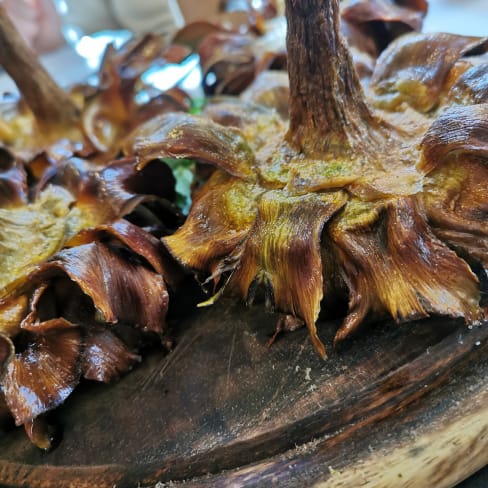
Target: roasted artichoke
(375, 193)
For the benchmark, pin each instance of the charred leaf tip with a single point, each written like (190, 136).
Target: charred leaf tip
(319, 347)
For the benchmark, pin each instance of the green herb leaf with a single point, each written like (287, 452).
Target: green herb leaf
(184, 173)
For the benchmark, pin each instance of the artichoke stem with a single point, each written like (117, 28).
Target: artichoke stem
(49, 103)
(327, 108)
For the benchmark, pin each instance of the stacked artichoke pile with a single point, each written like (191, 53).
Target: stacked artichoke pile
(361, 177)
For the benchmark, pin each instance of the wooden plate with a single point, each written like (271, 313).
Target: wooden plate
(398, 406)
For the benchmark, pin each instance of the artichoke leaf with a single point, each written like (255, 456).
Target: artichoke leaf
(282, 253)
(121, 291)
(403, 74)
(42, 376)
(185, 136)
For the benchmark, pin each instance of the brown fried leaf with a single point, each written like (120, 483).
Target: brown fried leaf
(51, 307)
(410, 13)
(457, 130)
(282, 254)
(44, 316)
(43, 375)
(13, 181)
(40, 433)
(233, 112)
(130, 235)
(455, 150)
(403, 74)
(7, 350)
(12, 310)
(471, 87)
(114, 112)
(192, 34)
(30, 234)
(271, 89)
(121, 290)
(124, 183)
(106, 193)
(131, 60)
(260, 125)
(217, 223)
(141, 243)
(388, 256)
(228, 62)
(105, 356)
(190, 137)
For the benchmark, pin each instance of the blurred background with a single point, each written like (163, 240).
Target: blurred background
(88, 26)
(468, 17)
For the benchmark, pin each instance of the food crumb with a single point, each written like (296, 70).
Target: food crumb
(307, 374)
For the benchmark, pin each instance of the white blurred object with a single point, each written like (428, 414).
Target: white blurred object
(165, 77)
(138, 16)
(91, 48)
(467, 17)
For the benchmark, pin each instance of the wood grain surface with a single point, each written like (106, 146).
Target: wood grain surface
(398, 406)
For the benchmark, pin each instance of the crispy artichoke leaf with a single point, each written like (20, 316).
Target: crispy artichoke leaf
(131, 60)
(147, 247)
(403, 74)
(412, 242)
(105, 193)
(455, 151)
(137, 240)
(40, 433)
(42, 376)
(121, 290)
(457, 130)
(12, 310)
(259, 125)
(13, 181)
(114, 112)
(47, 314)
(388, 253)
(270, 89)
(192, 34)
(190, 137)
(471, 87)
(228, 62)
(231, 111)
(107, 131)
(231, 57)
(117, 189)
(410, 13)
(105, 356)
(7, 351)
(282, 253)
(222, 214)
(32, 233)
(473, 247)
